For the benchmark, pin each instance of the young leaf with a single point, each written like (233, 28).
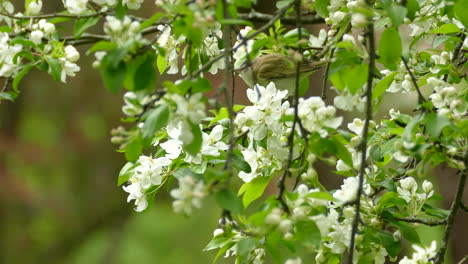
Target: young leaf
(321, 6)
(82, 24)
(55, 68)
(461, 9)
(126, 173)
(145, 75)
(20, 76)
(194, 147)
(229, 201)
(157, 119)
(253, 190)
(308, 233)
(390, 48)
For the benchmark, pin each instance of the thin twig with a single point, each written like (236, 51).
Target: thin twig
(428, 222)
(325, 77)
(421, 98)
(439, 257)
(457, 50)
(54, 15)
(463, 260)
(227, 96)
(282, 181)
(463, 207)
(365, 134)
(260, 17)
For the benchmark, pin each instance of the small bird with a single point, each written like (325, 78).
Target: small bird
(278, 68)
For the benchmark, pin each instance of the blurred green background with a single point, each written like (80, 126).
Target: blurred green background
(59, 202)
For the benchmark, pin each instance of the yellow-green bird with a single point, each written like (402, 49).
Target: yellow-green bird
(279, 69)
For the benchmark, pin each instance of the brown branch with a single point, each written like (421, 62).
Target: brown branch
(421, 98)
(262, 18)
(282, 181)
(428, 222)
(365, 134)
(325, 77)
(439, 257)
(463, 207)
(54, 15)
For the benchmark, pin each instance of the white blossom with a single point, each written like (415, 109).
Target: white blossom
(188, 195)
(421, 255)
(36, 36)
(147, 173)
(75, 6)
(35, 7)
(132, 4)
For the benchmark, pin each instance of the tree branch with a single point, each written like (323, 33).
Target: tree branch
(365, 134)
(463, 207)
(421, 98)
(262, 18)
(439, 257)
(282, 181)
(325, 77)
(54, 15)
(428, 222)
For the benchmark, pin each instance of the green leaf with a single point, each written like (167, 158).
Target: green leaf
(102, 46)
(194, 147)
(113, 69)
(413, 7)
(133, 147)
(20, 76)
(397, 14)
(82, 24)
(321, 6)
(411, 126)
(390, 48)
(436, 123)
(145, 75)
(385, 238)
(201, 85)
(235, 21)
(214, 175)
(150, 21)
(342, 151)
(5, 29)
(157, 119)
(461, 9)
(55, 68)
(383, 85)
(245, 246)
(126, 173)
(229, 201)
(7, 96)
(390, 199)
(218, 242)
(308, 233)
(253, 190)
(239, 162)
(407, 231)
(320, 195)
(161, 63)
(446, 29)
(350, 77)
(436, 212)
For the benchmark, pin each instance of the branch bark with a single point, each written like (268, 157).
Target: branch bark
(365, 134)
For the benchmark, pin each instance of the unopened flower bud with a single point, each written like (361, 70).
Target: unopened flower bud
(427, 186)
(217, 232)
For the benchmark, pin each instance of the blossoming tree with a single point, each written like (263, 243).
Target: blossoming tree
(177, 137)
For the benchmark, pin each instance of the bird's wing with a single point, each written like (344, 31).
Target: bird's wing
(276, 67)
